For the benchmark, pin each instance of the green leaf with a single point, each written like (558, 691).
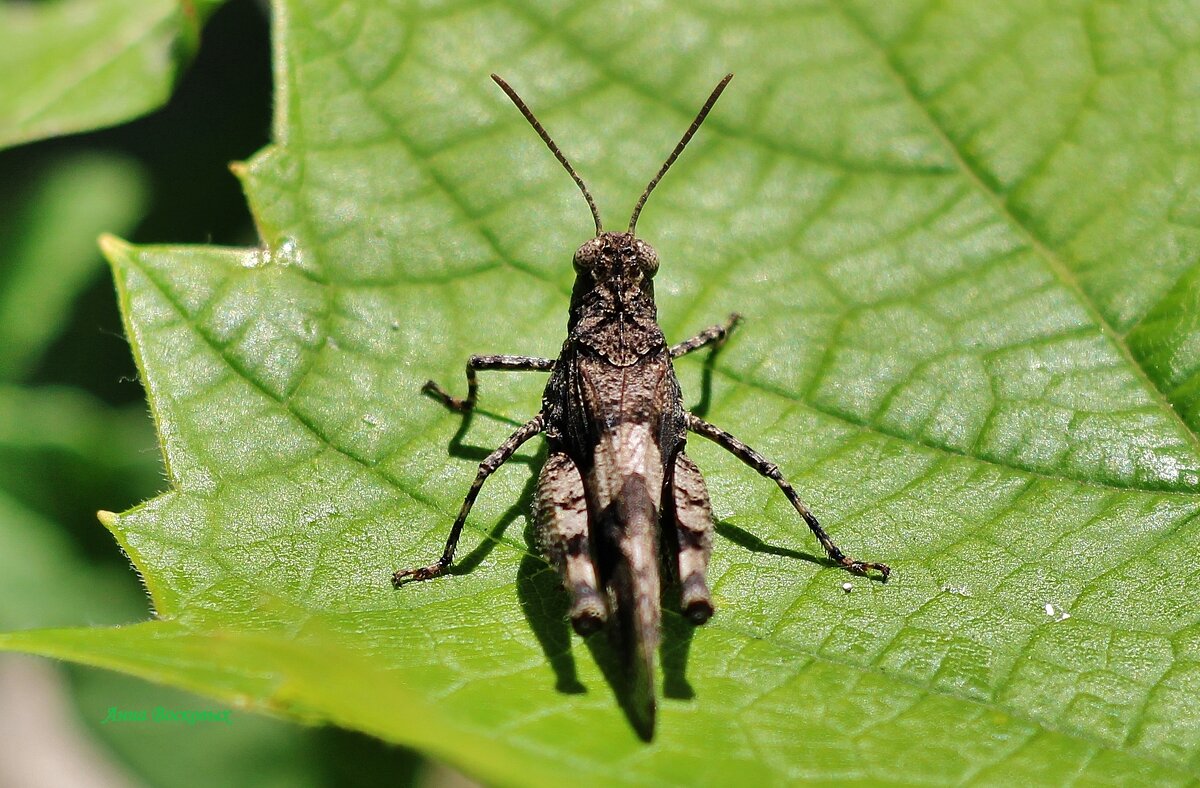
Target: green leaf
(59, 449)
(44, 580)
(48, 256)
(965, 239)
(74, 65)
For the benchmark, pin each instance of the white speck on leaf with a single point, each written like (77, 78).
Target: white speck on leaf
(1057, 613)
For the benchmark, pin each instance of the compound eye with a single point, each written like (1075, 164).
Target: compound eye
(585, 256)
(648, 258)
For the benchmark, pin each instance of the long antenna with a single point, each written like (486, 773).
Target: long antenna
(708, 105)
(512, 94)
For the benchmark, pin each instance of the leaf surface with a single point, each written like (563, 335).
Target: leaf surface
(965, 242)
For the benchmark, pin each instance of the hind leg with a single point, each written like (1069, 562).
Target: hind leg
(771, 471)
(693, 528)
(561, 518)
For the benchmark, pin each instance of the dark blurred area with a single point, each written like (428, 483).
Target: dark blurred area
(220, 113)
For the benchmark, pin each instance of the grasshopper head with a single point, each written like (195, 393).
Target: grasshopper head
(616, 257)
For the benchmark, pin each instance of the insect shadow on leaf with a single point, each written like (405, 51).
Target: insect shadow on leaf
(706, 377)
(754, 544)
(617, 497)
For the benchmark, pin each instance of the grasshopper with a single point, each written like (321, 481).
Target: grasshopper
(617, 484)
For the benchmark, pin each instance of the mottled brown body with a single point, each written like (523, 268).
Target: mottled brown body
(613, 407)
(617, 483)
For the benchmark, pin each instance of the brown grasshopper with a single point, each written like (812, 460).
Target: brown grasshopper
(617, 483)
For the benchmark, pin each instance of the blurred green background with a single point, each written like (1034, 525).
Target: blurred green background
(75, 435)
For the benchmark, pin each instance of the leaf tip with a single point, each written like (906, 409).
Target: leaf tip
(113, 247)
(107, 519)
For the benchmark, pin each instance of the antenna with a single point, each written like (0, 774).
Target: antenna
(708, 105)
(558, 154)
